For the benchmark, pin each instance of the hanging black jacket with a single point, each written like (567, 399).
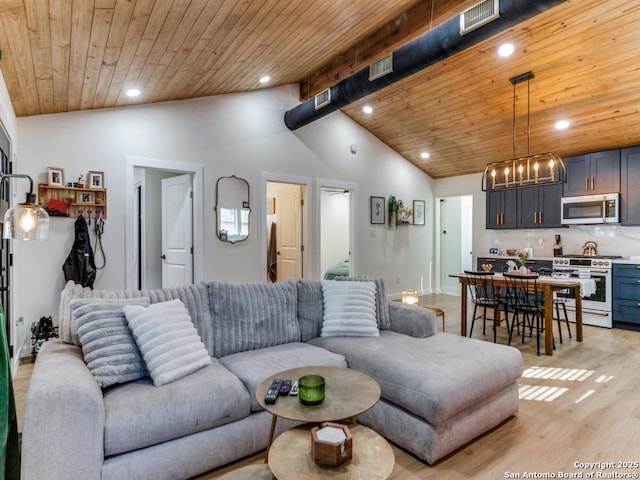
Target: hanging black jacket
(79, 265)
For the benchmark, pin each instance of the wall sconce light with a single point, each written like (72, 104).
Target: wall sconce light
(410, 297)
(28, 220)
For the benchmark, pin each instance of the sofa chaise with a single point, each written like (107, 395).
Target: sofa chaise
(90, 418)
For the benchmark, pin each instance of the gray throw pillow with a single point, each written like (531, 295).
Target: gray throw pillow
(108, 348)
(382, 307)
(349, 309)
(168, 340)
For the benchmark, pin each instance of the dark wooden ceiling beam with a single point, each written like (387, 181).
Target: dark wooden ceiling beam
(419, 19)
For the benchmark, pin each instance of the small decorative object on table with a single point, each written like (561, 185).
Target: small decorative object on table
(311, 389)
(410, 297)
(523, 257)
(331, 444)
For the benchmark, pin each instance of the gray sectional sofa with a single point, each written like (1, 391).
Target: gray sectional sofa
(439, 391)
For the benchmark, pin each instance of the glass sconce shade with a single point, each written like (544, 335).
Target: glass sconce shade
(26, 221)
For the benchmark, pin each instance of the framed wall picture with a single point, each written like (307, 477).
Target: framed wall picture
(377, 210)
(85, 198)
(418, 212)
(55, 177)
(95, 180)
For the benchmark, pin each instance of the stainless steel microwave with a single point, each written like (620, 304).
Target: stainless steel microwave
(588, 209)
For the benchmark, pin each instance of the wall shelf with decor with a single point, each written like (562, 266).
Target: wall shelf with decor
(75, 200)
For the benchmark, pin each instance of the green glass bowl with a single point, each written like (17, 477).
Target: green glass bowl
(311, 389)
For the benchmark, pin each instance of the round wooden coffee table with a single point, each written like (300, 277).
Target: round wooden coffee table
(290, 457)
(347, 393)
(250, 472)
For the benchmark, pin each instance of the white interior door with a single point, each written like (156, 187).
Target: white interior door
(177, 231)
(289, 232)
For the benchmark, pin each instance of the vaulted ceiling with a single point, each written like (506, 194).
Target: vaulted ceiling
(66, 55)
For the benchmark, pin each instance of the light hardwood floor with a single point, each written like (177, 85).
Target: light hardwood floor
(580, 405)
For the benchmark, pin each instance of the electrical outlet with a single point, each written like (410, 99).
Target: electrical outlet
(397, 279)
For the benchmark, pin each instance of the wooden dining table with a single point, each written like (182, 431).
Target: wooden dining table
(544, 284)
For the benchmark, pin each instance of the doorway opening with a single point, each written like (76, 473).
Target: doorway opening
(286, 209)
(454, 242)
(164, 239)
(335, 230)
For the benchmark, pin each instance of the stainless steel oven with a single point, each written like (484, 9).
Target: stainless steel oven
(596, 308)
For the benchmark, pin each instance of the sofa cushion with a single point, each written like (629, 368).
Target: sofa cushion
(255, 366)
(382, 306)
(248, 316)
(108, 347)
(167, 339)
(310, 308)
(139, 414)
(425, 375)
(74, 290)
(349, 309)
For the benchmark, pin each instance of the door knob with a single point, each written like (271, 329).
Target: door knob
(163, 256)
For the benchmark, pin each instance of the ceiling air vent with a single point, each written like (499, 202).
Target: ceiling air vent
(479, 15)
(323, 98)
(381, 67)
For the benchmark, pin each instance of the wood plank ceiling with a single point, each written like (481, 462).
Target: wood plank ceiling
(66, 55)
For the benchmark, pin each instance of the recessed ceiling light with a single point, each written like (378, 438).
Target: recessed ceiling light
(506, 50)
(367, 109)
(424, 155)
(133, 92)
(562, 124)
(265, 79)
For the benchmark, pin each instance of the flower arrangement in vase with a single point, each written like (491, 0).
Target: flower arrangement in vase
(523, 258)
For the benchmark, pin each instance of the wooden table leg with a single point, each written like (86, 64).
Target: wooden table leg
(463, 308)
(274, 420)
(578, 298)
(548, 320)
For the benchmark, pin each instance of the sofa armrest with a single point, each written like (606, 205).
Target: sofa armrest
(63, 424)
(413, 321)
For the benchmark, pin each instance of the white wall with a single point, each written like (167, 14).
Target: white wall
(241, 134)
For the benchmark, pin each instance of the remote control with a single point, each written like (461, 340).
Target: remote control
(273, 392)
(294, 389)
(285, 387)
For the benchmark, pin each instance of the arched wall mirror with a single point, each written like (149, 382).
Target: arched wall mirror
(232, 209)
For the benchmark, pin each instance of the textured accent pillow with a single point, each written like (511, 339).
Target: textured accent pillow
(349, 309)
(382, 307)
(168, 340)
(108, 348)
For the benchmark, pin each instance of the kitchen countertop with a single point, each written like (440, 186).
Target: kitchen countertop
(624, 260)
(512, 257)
